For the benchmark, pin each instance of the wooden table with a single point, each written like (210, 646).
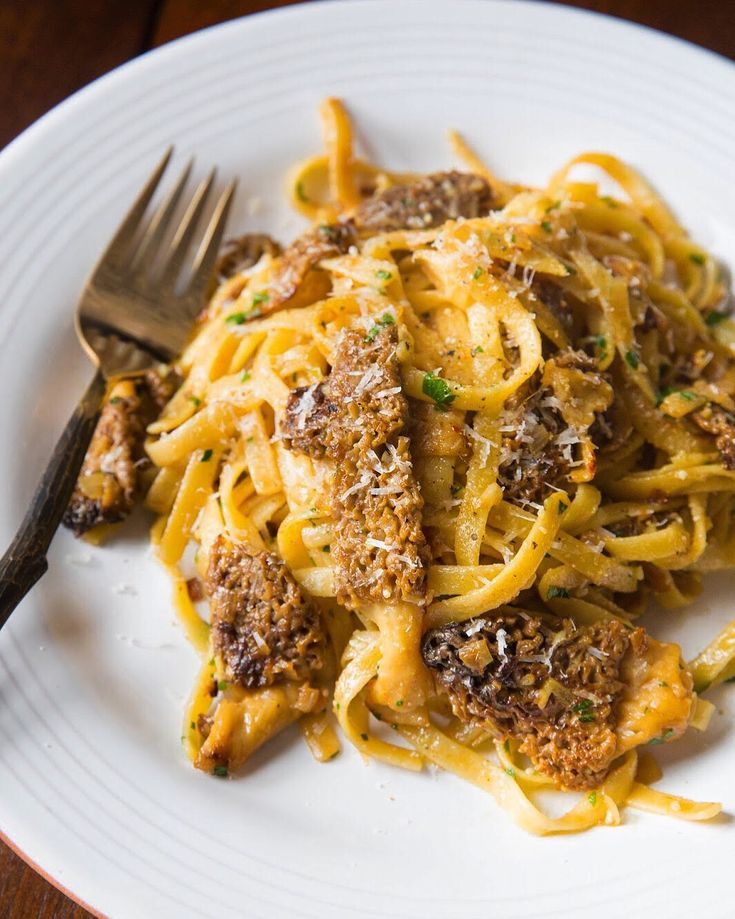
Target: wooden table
(50, 48)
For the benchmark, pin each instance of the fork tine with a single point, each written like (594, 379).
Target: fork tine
(159, 223)
(209, 248)
(120, 243)
(185, 234)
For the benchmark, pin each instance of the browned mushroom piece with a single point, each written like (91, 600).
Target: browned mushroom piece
(575, 698)
(108, 482)
(243, 252)
(360, 401)
(428, 202)
(546, 437)
(263, 628)
(720, 424)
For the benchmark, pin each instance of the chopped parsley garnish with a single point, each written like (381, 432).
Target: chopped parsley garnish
(546, 226)
(476, 273)
(262, 296)
(553, 592)
(662, 683)
(712, 318)
(115, 399)
(510, 772)
(385, 320)
(206, 456)
(221, 771)
(632, 359)
(456, 488)
(236, 318)
(601, 343)
(192, 725)
(399, 702)
(506, 745)
(245, 376)
(553, 207)
(667, 734)
(383, 274)
(592, 798)
(562, 507)
(611, 202)
(670, 391)
(584, 710)
(326, 230)
(438, 390)
(478, 350)
(512, 237)
(222, 685)
(196, 400)
(300, 193)
(697, 258)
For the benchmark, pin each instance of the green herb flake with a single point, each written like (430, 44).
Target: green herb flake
(476, 273)
(246, 376)
(383, 274)
(714, 318)
(506, 745)
(456, 488)
(192, 725)
(236, 318)
(206, 456)
(687, 394)
(697, 258)
(115, 399)
(220, 771)
(584, 710)
(222, 685)
(399, 702)
(611, 202)
(601, 344)
(632, 359)
(546, 226)
(667, 735)
(262, 296)
(592, 798)
(300, 193)
(326, 230)
(438, 390)
(663, 683)
(478, 350)
(385, 320)
(510, 772)
(553, 207)
(553, 592)
(562, 507)
(196, 400)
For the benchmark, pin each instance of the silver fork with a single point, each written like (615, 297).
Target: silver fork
(136, 310)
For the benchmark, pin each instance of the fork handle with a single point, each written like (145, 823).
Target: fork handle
(25, 561)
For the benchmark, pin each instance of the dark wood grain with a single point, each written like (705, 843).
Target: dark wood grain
(50, 48)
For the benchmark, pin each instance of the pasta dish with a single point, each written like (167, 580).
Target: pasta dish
(418, 474)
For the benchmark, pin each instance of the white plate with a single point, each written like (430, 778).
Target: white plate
(93, 670)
